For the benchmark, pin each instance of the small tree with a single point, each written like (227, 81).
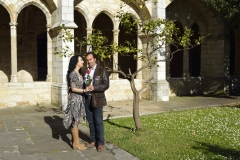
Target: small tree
(159, 35)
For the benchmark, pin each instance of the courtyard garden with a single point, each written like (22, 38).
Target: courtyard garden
(207, 133)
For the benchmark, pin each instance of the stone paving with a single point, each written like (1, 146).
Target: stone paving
(37, 133)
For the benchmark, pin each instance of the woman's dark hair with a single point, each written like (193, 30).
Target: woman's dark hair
(72, 65)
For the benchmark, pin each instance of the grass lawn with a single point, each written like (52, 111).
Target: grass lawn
(206, 134)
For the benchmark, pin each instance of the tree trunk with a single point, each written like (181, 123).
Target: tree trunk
(136, 115)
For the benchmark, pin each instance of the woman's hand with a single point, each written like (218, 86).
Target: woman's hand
(88, 89)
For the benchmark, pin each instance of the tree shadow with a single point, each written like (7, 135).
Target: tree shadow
(232, 106)
(59, 131)
(213, 96)
(217, 150)
(115, 124)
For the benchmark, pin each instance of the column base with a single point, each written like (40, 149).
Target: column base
(114, 76)
(14, 78)
(185, 74)
(59, 96)
(159, 90)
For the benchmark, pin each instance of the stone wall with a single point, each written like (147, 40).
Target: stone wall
(196, 86)
(120, 90)
(24, 94)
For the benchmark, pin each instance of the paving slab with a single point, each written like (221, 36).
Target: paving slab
(44, 148)
(22, 157)
(37, 133)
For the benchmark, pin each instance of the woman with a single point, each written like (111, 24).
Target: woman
(75, 109)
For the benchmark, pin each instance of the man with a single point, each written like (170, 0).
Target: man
(97, 81)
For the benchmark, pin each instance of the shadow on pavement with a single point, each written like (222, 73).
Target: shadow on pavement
(59, 131)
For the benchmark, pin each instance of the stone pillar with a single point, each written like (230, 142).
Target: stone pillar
(49, 56)
(185, 63)
(160, 86)
(115, 56)
(64, 16)
(139, 62)
(14, 52)
(89, 32)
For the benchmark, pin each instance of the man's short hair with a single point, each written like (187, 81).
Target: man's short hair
(92, 53)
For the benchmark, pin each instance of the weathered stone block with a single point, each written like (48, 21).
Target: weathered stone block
(24, 76)
(3, 77)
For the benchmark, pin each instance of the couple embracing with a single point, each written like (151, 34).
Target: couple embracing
(86, 99)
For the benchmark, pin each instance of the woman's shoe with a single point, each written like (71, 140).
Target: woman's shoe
(76, 144)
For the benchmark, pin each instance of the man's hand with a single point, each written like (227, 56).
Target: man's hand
(90, 88)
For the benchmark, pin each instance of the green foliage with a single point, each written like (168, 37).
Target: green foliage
(228, 9)
(95, 41)
(159, 33)
(209, 133)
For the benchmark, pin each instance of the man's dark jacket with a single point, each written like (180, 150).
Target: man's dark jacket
(100, 83)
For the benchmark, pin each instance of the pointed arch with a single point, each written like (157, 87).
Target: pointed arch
(176, 64)
(9, 7)
(41, 6)
(106, 11)
(195, 53)
(84, 11)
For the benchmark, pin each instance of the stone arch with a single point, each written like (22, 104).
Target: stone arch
(202, 26)
(195, 53)
(81, 31)
(143, 11)
(133, 15)
(200, 14)
(9, 7)
(106, 11)
(84, 11)
(105, 25)
(183, 22)
(32, 55)
(41, 6)
(126, 62)
(176, 63)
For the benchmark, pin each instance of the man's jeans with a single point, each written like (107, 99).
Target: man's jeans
(95, 120)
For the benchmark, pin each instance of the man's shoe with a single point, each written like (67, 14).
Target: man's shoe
(92, 144)
(100, 148)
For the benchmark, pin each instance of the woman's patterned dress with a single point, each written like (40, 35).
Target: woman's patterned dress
(75, 109)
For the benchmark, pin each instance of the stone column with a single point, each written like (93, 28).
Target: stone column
(49, 56)
(160, 86)
(115, 56)
(14, 52)
(89, 32)
(185, 63)
(64, 15)
(139, 62)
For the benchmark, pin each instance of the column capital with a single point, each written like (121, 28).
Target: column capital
(49, 26)
(13, 23)
(89, 30)
(115, 31)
